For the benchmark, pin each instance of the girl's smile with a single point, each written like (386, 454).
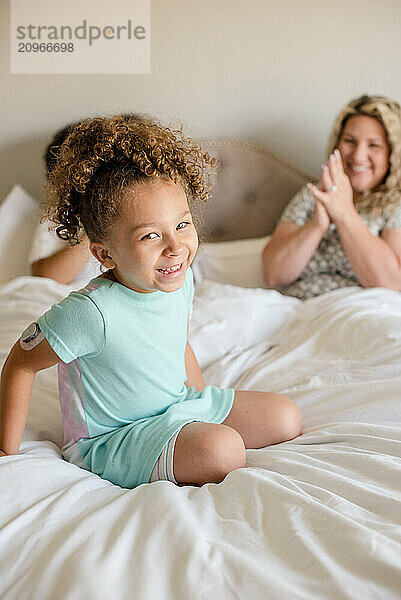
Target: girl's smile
(172, 272)
(154, 241)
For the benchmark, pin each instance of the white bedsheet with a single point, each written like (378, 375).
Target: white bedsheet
(315, 518)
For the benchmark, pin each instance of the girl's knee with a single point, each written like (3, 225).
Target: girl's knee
(292, 419)
(208, 453)
(226, 451)
(282, 417)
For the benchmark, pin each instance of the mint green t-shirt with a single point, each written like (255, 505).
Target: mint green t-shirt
(122, 380)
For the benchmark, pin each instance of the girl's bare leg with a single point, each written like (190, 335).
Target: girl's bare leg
(264, 418)
(206, 453)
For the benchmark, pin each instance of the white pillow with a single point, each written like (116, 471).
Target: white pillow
(236, 263)
(18, 217)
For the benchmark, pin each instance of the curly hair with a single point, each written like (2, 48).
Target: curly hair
(388, 114)
(52, 149)
(51, 152)
(104, 157)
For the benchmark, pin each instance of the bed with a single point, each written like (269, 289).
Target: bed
(318, 517)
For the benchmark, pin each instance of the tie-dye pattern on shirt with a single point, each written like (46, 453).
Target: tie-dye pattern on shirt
(72, 402)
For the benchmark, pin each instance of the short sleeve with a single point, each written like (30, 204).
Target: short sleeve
(44, 243)
(300, 209)
(394, 218)
(74, 327)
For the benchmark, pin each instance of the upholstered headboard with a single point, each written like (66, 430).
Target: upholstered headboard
(251, 189)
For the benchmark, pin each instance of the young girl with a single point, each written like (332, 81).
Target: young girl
(134, 404)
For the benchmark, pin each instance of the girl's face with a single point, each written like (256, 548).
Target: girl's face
(365, 152)
(154, 241)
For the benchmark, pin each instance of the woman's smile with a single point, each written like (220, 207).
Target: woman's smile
(365, 153)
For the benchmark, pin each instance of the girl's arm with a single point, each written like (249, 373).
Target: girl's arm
(65, 264)
(17, 379)
(194, 374)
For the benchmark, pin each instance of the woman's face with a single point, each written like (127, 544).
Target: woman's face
(365, 152)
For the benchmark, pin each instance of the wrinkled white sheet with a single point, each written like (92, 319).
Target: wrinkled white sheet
(317, 517)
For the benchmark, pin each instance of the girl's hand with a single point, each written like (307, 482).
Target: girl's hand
(338, 197)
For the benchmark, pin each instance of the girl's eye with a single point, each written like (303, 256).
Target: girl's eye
(150, 236)
(375, 146)
(183, 224)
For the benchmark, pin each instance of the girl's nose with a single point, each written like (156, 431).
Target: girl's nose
(173, 247)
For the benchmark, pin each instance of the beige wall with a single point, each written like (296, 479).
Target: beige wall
(273, 72)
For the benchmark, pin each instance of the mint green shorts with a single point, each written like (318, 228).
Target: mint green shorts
(127, 456)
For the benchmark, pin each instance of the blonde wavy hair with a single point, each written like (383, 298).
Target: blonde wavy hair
(105, 156)
(388, 113)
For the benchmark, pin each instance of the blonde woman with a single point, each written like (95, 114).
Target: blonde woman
(348, 231)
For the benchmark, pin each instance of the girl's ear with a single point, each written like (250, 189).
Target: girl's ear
(101, 253)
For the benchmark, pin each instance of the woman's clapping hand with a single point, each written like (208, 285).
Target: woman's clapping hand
(336, 194)
(321, 217)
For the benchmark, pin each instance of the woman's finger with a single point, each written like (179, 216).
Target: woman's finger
(333, 168)
(336, 166)
(327, 181)
(340, 165)
(319, 194)
(320, 206)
